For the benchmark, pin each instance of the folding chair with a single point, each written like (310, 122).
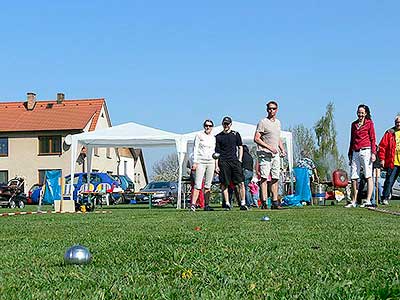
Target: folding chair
(103, 190)
(85, 190)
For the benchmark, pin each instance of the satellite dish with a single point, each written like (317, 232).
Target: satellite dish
(68, 140)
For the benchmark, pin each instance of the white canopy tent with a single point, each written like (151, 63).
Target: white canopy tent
(126, 135)
(247, 131)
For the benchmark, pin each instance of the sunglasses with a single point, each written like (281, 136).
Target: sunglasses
(226, 124)
(272, 108)
(208, 125)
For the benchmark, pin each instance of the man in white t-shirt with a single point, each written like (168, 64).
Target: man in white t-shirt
(269, 149)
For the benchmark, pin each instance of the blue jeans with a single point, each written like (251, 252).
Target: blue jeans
(248, 175)
(391, 176)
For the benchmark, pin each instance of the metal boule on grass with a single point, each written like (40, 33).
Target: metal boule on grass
(265, 218)
(216, 155)
(77, 255)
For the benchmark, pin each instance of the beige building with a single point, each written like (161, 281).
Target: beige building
(132, 165)
(32, 135)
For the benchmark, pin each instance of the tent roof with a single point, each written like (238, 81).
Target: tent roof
(129, 135)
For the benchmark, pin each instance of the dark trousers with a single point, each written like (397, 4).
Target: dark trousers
(391, 176)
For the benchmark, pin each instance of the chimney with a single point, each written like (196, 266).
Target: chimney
(60, 98)
(30, 100)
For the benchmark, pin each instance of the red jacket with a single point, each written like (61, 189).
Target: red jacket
(362, 137)
(387, 148)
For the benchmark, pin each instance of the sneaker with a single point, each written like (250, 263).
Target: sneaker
(192, 207)
(228, 206)
(243, 207)
(351, 204)
(385, 202)
(366, 204)
(208, 208)
(264, 205)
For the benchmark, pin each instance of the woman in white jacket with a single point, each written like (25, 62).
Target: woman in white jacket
(203, 164)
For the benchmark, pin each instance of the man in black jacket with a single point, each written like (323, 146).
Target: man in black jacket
(229, 146)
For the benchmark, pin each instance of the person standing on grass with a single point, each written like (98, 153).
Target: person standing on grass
(229, 164)
(309, 164)
(203, 164)
(362, 153)
(389, 154)
(269, 150)
(253, 186)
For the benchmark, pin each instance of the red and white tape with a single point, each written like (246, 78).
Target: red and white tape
(19, 213)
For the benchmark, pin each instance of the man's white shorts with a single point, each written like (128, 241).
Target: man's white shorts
(269, 165)
(361, 161)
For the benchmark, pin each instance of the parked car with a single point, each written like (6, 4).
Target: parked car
(95, 178)
(34, 193)
(160, 190)
(127, 185)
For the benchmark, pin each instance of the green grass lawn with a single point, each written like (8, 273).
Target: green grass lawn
(306, 253)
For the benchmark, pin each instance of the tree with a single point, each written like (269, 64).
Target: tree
(327, 155)
(303, 139)
(166, 169)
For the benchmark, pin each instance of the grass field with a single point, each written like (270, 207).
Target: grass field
(305, 253)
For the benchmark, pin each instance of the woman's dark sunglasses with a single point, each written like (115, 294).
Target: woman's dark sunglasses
(208, 125)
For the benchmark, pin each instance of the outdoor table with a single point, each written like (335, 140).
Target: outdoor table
(146, 193)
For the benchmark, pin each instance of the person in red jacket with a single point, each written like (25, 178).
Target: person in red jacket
(362, 152)
(389, 154)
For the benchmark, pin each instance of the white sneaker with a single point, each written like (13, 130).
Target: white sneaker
(192, 207)
(351, 204)
(385, 202)
(366, 204)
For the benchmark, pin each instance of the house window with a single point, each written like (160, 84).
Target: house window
(108, 153)
(4, 146)
(96, 151)
(49, 145)
(42, 173)
(3, 176)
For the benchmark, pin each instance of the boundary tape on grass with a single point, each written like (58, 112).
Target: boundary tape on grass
(385, 211)
(21, 213)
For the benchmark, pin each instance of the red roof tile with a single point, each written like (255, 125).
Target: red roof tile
(48, 115)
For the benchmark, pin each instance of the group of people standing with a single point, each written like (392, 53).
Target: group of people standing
(364, 154)
(225, 155)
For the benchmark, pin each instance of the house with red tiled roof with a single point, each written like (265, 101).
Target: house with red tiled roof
(32, 137)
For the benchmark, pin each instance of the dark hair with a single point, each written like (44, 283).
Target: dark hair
(367, 111)
(272, 102)
(208, 121)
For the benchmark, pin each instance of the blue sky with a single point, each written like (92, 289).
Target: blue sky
(171, 64)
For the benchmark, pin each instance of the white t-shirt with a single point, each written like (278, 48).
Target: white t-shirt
(270, 133)
(204, 147)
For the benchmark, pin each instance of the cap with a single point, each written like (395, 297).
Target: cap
(226, 120)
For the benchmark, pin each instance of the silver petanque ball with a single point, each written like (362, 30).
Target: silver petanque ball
(216, 155)
(77, 255)
(265, 218)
